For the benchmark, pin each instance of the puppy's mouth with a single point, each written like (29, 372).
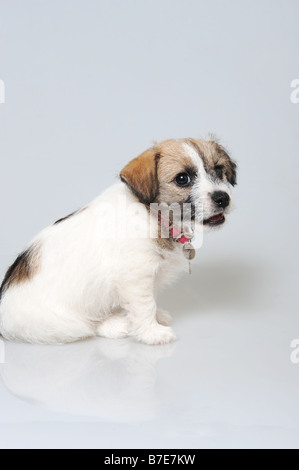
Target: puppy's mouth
(215, 220)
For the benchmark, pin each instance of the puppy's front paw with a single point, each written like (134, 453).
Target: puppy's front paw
(163, 317)
(157, 335)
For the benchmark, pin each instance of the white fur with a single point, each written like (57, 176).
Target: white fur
(88, 271)
(97, 277)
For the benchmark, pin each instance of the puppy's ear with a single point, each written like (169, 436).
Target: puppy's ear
(141, 175)
(232, 172)
(230, 165)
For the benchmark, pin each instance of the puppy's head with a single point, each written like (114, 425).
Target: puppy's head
(189, 172)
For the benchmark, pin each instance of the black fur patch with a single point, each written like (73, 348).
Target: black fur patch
(192, 172)
(19, 270)
(65, 218)
(232, 176)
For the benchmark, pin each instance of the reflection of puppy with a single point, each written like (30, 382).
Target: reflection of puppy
(120, 374)
(85, 275)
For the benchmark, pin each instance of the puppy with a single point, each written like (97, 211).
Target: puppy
(97, 271)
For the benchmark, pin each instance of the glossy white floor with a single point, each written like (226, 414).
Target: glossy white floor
(227, 382)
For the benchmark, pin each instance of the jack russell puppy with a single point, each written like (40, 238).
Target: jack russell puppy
(96, 272)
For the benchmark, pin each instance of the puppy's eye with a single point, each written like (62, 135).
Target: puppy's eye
(183, 179)
(219, 171)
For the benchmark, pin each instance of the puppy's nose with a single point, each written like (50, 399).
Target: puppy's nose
(221, 199)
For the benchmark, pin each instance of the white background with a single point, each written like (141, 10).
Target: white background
(89, 85)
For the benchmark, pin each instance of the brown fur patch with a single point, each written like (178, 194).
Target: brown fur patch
(173, 161)
(23, 269)
(141, 176)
